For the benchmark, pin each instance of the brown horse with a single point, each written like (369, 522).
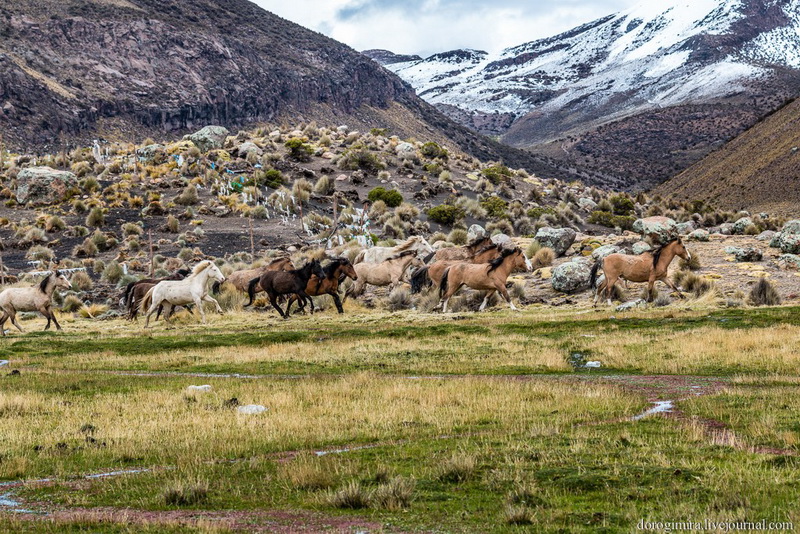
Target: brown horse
(335, 271)
(240, 279)
(646, 267)
(135, 291)
(36, 298)
(432, 274)
(489, 277)
(465, 253)
(385, 273)
(277, 283)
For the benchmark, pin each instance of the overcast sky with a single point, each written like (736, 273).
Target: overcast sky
(425, 27)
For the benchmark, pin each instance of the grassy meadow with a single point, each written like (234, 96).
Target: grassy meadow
(402, 422)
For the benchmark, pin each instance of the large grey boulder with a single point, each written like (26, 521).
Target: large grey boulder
(501, 239)
(587, 204)
(741, 226)
(572, 276)
(747, 254)
(601, 252)
(789, 261)
(247, 147)
(686, 227)
(558, 239)
(766, 235)
(152, 152)
(209, 138)
(641, 247)
(475, 231)
(41, 186)
(656, 230)
(698, 235)
(788, 239)
(405, 150)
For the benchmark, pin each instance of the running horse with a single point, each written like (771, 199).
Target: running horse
(191, 290)
(465, 253)
(27, 299)
(135, 291)
(335, 272)
(240, 279)
(647, 267)
(386, 273)
(277, 283)
(489, 277)
(416, 243)
(427, 275)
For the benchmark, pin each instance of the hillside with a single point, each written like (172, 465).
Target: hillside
(759, 170)
(79, 70)
(632, 98)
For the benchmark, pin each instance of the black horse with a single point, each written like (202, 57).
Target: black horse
(277, 283)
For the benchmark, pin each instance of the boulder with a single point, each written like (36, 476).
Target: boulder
(656, 230)
(572, 276)
(741, 226)
(791, 227)
(40, 186)
(248, 147)
(558, 239)
(405, 150)
(789, 261)
(698, 235)
(601, 252)
(766, 235)
(587, 204)
(209, 138)
(640, 248)
(151, 152)
(748, 254)
(475, 231)
(206, 388)
(789, 243)
(687, 227)
(251, 409)
(726, 229)
(500, 239)
(634, 304)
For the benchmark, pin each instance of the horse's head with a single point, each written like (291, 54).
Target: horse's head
(215, 273)
(422, 247)
(680, 249)
(316, 268)
(62, 282)
(416, 262)
(521, 262)
(346, 268)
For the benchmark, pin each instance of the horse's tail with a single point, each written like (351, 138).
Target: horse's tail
(420, 279)
(127, 294)
(360, 257)
(148, 299)
(251, 290)
(443, 283)
(593, 274)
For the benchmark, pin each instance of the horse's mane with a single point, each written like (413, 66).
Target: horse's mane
(408, 243)
(183, 272)
(401, 255)
(657, 252)
(45, 281)
(487, 247)
(497, 262)
(331, 267)
(200, 267)
(276, 260)
(477, 241)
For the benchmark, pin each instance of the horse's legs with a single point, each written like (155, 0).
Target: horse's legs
(486, 300)
(501, 288)
(449, 293)
(52, 315)
(198, 302)
(337, 301)
(610, 281)
(13, 316)
(671, 284)
(154, 306)
(168, 309)
(209, 298)
(305, 296)
(273, 299)
(650, 285)
(46, 313)
(3, 320)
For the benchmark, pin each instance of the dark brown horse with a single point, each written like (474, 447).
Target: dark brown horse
(135, 291)
(277, 283)
(335, 271)
(240, 279)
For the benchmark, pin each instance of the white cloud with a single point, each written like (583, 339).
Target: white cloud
(425, 27)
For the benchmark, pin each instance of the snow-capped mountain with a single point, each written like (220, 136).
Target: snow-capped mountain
(655, 56)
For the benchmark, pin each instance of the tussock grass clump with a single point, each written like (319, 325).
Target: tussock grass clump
(351, 496)
(188, 196)
(458, 468)
(131, 229)
(543, 258)
(764, 294)
(693, 283)
(518, 515)
(71, 304)
(92, 310)
(183, 493)
(399, 299)
(96, 218)
(172, 225)
(40, 253)
(395, 494)
(692, 265)
(458, 236)
(82, 281)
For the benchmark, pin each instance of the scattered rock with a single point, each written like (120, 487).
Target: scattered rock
(571, 276)
(740, 226)
(40, 186)
(601, 252)
(500, 239)
(475, 231)
(558, 239)
(635, 304)
(251, 409)
(788, 239)
(748, 254)
(641, 247)
(789, 261)
(405, 150)
(209, 138)
(726, 229)
(199, 389)
(698, 235)
(766, 235)
(656, 230)
(151, 152)
(248, 147)
(587, 204)
(685, 228)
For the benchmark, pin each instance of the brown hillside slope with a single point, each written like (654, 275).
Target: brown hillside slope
(757, 171)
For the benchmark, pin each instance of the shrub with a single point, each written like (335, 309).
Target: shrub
(608, 219)
(54, 223)
(172, 225)
(399, 299)
(535, 213)
(433, 150)
(458, 236)
(621, 204)
(457, 468)
(396, 494)
(497, 174)
(693, 264)
(495, 207)
(40, 253)
(272, 178)
(71, 304)
(129, 229)
(352, 496)
(93, 310)
(113, 272)
(361, 159)
(299, 150)
(81, 280)
(544, 257)
(301, 190)
(324, 186)
(764, 294)
(446, 214)
(392, 197)
(519, 515)
(96, 218)
(188, 196)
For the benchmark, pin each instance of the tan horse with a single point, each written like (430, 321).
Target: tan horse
(646, 267)
(386, 273)
(489, 277)
(432, 274)
(465, 253)
(240, 279)
(36, 298)
(415, 243)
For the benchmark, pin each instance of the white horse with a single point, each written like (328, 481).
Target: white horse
(36, 298)
(416, 243)
(191, 290)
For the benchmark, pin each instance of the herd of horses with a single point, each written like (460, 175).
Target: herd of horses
(481, 265)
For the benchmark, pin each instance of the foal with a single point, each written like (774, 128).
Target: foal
(277, 283)
(36, 298)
